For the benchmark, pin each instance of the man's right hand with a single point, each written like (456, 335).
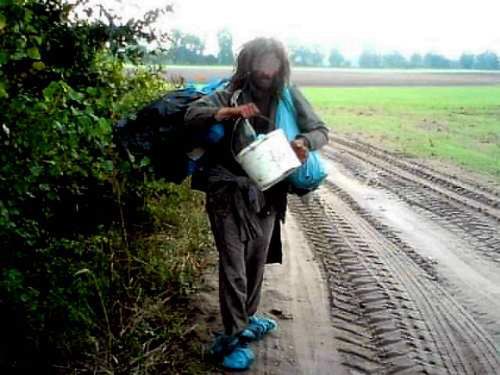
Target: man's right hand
(246, 111)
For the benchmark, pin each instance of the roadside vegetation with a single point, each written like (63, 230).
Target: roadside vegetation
(97, 259)
(453, 124)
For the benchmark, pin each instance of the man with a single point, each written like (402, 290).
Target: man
(245, 221)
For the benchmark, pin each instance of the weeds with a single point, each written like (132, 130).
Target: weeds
(149, 315)
(96, 262)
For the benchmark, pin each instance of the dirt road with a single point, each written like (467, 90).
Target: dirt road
(391, 268)
(412, 259)
(296, 294)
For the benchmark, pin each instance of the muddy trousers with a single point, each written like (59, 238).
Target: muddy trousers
(241, 269)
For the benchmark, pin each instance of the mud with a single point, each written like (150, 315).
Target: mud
(393, 267)
(296, 296)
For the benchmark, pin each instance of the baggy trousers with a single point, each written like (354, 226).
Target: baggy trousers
(241, 269)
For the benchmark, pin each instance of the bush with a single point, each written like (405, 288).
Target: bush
(91, 254)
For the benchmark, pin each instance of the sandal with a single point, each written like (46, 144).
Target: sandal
(232, 352)
(240, 359)
(258, 327)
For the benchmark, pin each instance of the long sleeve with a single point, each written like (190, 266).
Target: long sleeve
(311, 126)
(201, 113)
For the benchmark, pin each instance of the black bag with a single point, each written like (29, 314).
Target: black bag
(157, 132)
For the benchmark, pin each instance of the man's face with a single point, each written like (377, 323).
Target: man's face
(265, 69)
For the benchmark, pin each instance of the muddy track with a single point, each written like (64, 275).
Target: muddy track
(472, 196)
(470, 188)
(470, 211)
(391, 315)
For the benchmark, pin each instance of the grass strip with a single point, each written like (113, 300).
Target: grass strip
(451, 124)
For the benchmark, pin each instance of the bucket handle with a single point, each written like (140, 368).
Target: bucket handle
(234, 103)
(240, 120)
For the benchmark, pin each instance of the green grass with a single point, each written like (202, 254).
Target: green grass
(457, 124)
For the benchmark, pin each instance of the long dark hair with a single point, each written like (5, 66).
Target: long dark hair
(256, 48)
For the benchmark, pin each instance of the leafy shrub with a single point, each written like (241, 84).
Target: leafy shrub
(83, 279)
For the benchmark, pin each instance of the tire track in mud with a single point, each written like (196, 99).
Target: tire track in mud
(391, 315)
(474, 220)
(472, 190)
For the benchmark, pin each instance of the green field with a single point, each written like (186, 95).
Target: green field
(457, 124)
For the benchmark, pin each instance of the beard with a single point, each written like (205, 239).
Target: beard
(263, 83)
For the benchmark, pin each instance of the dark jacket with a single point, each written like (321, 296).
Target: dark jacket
(201, 114)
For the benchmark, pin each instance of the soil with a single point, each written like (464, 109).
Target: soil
(293, 293)
(348, 78)
(392, 267)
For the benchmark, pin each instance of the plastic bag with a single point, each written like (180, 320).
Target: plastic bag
(312, 172)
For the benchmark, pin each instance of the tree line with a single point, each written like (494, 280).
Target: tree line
(369, 59)
(190, 50)
(185, 48)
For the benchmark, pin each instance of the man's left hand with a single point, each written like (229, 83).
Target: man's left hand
(301, 149)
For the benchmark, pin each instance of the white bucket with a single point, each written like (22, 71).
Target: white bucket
(269, 159)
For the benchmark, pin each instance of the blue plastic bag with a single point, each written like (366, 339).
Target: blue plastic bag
(312, 172)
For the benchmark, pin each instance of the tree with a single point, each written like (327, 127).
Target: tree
(369, 59)
(394, 60)
(487, 60)
(306, 56)
(336, 59)
(225, 55)
(210, 60)
(436, 61)
(416, 61)
(186, 48)
(467, 61)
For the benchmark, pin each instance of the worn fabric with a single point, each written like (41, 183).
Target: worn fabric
(242, 198)
(311, 126)
(201, 114)
(245, 222)
(241, 268)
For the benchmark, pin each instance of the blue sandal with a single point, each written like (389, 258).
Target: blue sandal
(258, 327)
(222, 346)
(232, 353)
(240, 359)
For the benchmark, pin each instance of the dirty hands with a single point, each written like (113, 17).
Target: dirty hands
(301, 148)
(300, 145)
(246, 111)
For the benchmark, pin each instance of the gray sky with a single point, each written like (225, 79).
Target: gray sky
(449, 27)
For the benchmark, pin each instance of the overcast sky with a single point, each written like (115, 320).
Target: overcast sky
(449, 27)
